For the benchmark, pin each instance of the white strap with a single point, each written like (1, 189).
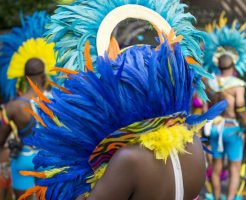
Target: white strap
(208, 128)
(220, 129)
(179, 185)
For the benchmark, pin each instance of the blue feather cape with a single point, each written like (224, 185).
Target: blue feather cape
(142, 83)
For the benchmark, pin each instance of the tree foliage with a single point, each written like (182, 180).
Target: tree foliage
(10, 9)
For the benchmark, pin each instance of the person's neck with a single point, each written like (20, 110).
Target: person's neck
(227, 72)
(30, 93)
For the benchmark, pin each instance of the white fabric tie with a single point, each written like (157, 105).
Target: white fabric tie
(178, 176)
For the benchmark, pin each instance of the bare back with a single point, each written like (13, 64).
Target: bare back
(20, 117)
(134, 174)
(16, 113)
(230, 96)
(234, 96)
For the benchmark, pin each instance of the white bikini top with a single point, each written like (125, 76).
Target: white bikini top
(178, 176)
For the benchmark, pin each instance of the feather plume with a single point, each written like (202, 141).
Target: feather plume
(158, 82)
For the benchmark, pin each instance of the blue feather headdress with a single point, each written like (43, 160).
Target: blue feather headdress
(21, 44)
(141, 84)
(223, 39)
(73, 25)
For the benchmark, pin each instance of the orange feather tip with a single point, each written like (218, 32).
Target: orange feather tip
(34, 174)
(171, 37)
(191, 61)
(114, 49)
(38, 91)
(63, 70)
(60, 87)
(87, 57)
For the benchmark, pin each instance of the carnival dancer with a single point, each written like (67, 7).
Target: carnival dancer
(120, 127)
(24, 54)
(225, 52)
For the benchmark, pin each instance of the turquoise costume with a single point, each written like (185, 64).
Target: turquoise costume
(226, 134)
(22, 162)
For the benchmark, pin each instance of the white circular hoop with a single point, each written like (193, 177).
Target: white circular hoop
(121, 13)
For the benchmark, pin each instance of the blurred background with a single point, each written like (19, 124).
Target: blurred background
(204, 10)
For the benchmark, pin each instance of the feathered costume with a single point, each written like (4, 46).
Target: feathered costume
(20, 45)
(72, 26)
(224, 39)
(143, 96)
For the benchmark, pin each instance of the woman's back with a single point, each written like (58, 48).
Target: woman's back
(135, 174)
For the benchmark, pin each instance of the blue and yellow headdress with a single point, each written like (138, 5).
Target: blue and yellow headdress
(140, 95)
(20, 45)
(224, 39)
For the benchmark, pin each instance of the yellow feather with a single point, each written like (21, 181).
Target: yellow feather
(166, 139)
(53, 172)
(32, 48)
(209, 28)
(222, 20)
(197, 127)
(243, 27)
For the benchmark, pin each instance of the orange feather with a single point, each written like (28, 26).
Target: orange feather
(191, 61)
(60, 87)
(114, 49)
(36, 116)
(40, 193)
(177, 39)
(87, 56)
(66, 71)
(171, 35)
(44, 108)
(34, 174)
(38, 91)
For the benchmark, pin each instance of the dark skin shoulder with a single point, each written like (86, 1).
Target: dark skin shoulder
(16, 113)
(134, 174)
